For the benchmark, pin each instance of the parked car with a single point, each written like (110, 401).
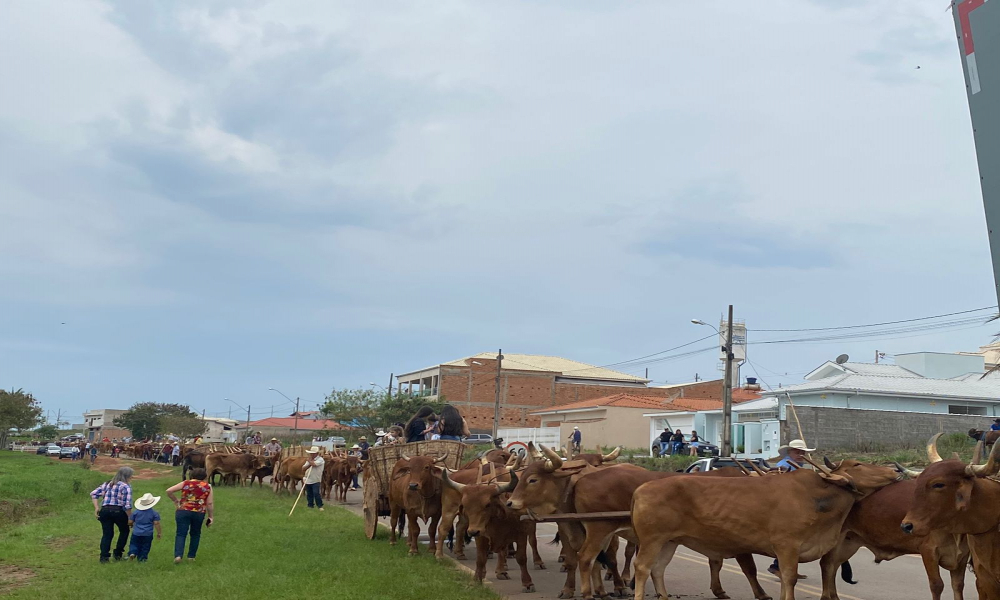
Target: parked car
(52, 450)
(704, 449)
(66, 452)
(479, 438)
(715, 462)
(42, 450)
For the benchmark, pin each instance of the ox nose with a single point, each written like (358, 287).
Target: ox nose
(413, 486)
(907, 527)
(510, 504)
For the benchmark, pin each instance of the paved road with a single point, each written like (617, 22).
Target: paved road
(687, 575)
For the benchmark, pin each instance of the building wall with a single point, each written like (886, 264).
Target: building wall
(472, 390)
(853, 429)
(607, 427)
(871, 402)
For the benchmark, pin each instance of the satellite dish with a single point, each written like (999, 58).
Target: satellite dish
(842, 359)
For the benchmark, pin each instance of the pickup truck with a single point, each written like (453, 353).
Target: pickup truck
(715, 462)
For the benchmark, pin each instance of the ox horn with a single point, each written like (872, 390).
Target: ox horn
(443, 457)
(990, 468)
(819, 467)
(404, 456)
(829, 464)
(613, 456)
(533, 451)
(509, 486)
(907, 472)
(518, 459)
(932, 451)
(977, 454)
(458, 487)
(554, 461)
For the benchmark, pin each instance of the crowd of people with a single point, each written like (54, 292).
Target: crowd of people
(673, 442)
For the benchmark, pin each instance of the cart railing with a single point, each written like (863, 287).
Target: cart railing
(383, 458)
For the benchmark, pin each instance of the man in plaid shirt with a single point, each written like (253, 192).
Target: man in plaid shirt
(114, 510)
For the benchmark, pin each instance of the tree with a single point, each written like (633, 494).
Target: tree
(47, 432)
(370, 410)
(144, 419)
(182, 427)
(18, 410)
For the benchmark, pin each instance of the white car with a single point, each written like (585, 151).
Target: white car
(53, 450)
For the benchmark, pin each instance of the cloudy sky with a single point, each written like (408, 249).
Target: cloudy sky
(201, 200)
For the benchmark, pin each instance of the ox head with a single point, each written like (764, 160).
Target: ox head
(420, 473)
(482, 501)
(943, 499)
(541, 485)
(856, 476)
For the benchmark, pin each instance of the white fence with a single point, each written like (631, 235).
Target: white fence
(23, 448)
(539, 435)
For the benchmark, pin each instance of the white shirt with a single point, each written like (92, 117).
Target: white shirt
(315, 474)
(176, 451)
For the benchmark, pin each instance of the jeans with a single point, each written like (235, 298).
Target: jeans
(139, 546)
(355, 478)
(677, 447)
(111, 517)
(663, 448)
(188, 520)
(313, 495)
(450, 437)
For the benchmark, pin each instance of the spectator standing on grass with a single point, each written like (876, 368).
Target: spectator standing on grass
(93, 453)
(113, 507)
(416, 427)
(144, 520)
(175, 454)
(314, 475)
(197, 500)
(452, 424)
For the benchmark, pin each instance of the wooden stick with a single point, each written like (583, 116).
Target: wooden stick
(796, 415)
(309, 470)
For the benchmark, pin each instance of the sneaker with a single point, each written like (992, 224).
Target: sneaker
(131, 556)
(321, 509)
(190, 559)
(774, 571)
(177, 560)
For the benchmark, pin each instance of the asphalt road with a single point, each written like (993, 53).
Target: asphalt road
(687, 575)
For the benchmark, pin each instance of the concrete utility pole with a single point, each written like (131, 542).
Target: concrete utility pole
(388, 390)
(496, 404)
(727, 390)
(248, 420)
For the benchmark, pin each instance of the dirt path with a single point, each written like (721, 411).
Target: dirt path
(143, 469)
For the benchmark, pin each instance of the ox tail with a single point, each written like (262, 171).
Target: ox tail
(555, 540)
(602, 558)
(847, 573)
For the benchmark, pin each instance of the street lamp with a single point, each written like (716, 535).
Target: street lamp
(727, 385)
(248, 415)
(296, 429)
(373, 384)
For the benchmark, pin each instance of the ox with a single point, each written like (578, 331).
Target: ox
(338, 475)
(415, 491)
(240, 465)
(988, 438)
(193, 459)
(265, 470)
(699, 516)
(494, 526)
(874, 524)
(546, 489)
(289, 471)
(952, 497)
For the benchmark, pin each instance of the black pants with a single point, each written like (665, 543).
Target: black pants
(111, 517)
(313, 495)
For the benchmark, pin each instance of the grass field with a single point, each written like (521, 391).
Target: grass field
(49, 539)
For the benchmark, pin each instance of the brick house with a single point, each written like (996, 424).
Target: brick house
(530, 382)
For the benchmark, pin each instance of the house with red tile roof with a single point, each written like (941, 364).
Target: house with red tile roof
(284, 426)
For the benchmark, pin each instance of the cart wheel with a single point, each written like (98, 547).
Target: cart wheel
(369, 505)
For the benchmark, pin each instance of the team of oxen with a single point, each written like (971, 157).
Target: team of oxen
(948, 514)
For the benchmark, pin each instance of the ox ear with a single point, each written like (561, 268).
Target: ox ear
(963, 497)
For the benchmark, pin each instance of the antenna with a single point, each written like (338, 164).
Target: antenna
(842, 359)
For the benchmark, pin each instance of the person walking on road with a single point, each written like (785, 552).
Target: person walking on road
(113, 507)
(197, 500)
(314, 475)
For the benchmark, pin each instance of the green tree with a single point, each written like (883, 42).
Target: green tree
(18, 410)
(182, 427)
(47, 432)
(370, 410)
(144, 419)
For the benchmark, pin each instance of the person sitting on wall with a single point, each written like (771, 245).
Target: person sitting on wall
(677, 441)
(665, 441)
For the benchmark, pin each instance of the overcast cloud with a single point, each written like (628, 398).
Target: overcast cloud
(221, 197)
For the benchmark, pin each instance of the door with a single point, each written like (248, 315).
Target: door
(770, 437)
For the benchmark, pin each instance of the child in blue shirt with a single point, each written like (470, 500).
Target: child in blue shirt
(144, 520)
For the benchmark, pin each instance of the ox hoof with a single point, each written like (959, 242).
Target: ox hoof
(722, 595)
(392, 543)
(503, 576)
(540, 566)
(566, 594)
(460, 557)
(563, 568)
(529, 588)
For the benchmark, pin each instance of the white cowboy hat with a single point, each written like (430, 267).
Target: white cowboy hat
(355, 447)
(313, 450)
(146, 501)
(380, 433)
(796, 445)
(576, 428)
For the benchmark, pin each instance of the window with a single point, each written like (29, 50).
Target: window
(957, 409)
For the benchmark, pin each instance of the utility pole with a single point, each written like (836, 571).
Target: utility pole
(248, 420)
(296, 434)
(876, 357)
(727, 390)
(696, 379)
(388, 390)
(230, 412)
(647, 372)
(496, 404)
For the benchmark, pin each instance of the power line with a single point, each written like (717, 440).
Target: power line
(961, 312)
(879, 333)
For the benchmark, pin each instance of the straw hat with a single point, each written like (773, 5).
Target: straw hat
(796, 445)
(355, 447)
(274, 439)
(313, 450)
(363, 438)
(146, 501)
(380, 433)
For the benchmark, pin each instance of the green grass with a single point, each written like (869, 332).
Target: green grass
(253, 550)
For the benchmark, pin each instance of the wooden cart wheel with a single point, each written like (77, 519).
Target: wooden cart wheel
(369, 505)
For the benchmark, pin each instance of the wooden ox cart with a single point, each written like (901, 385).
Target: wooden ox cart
(382, 459)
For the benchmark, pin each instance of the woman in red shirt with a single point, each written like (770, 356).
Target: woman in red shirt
(195, 502)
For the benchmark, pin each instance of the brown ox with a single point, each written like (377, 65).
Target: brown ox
(415, 491)
(952, 497)
(192, 460)
(987, 437)
(290, 471)
(874, 524)
(338, 475)
(240, 465)
(545, 489)
(265, 470)
(699, 515)
(494, 526)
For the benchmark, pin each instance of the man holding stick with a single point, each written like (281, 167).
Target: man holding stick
(314, 475)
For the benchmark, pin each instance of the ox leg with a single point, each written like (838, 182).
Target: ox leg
(533, 542)
(630, 550)
(788, 558)
(521, 556)
(482, 549)
(930, 560)
(598, 536)
(501, 552)
(714, 569)
(958, 582)
(393, 521)
(447, 523)
(750, 572)
(568, 536)
(432, 528)
(611, 557)
(461, 530)
(414, 535)
(830, 563)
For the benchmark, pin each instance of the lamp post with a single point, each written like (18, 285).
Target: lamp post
(248, 416)
(296, 430)
(727, 385)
